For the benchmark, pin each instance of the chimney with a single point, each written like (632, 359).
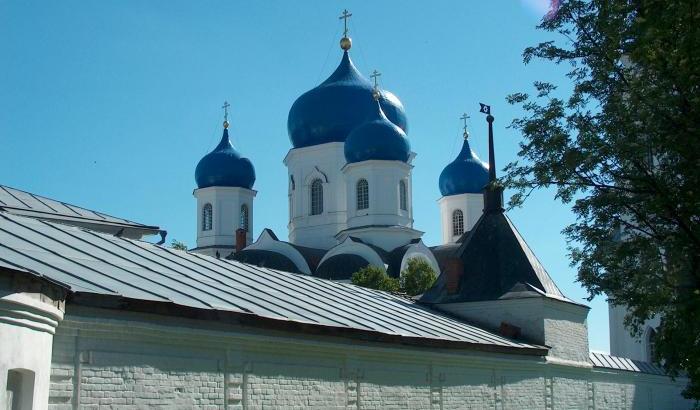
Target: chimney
(509, 331)
(453, 269)
(241, 237)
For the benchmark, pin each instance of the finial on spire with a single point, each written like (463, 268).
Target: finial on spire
(464, 118)
(345, 42)
(225, 107)
(376, 94)
(493, 196)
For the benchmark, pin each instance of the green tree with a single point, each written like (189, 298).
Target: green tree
(418, 277)
(374, 278)
(175, 244)
(623, 148)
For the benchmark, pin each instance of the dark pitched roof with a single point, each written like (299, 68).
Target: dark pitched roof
(118, 273)
(443, 253)
(496, 261)
(266, 259)
(340, 267)
(312, 256)
(24, 203)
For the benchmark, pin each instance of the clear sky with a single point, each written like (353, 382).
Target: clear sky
(110, 104)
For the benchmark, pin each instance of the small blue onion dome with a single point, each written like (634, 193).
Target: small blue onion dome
(224, 166)
(467, 174)
(329, 112)
(378, 138)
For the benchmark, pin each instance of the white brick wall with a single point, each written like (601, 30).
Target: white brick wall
(142, 363)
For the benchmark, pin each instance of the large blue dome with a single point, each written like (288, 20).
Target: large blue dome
(378, 138)
(329, 112)
(224, 166)
(467, 174)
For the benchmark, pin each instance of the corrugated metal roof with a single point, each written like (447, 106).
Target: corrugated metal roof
(89, 262)
(24, 203)
(622, 363)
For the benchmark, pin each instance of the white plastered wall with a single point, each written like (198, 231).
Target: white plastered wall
(27, 326)
(226, 217)
(471, 205)
(201, 364)
(303, 166)
(622, 343)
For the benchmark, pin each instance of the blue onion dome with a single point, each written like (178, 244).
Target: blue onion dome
(329, 112)
(467, 174)
(224, 166)
(378, 138)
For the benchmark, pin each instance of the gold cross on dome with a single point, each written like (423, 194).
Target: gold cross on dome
(225, 107)
(464, 118)
(375, 75)
(346, 15)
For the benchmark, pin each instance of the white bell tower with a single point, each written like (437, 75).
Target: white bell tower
(224, 198)
(461, 184)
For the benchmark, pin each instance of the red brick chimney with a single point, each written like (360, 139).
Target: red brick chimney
(453, 269)
(241, 237)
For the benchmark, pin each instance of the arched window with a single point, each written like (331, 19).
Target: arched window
(316, 197)
(651, 344)
(207, 215)
(457, 223)
(244, 217)
(403, 196)
(362, 194)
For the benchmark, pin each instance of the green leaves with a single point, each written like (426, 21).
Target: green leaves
(375, 278)
(417, 277)
(624, 150)
(414, 280)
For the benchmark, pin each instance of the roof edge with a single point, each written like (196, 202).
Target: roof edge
(116, 302)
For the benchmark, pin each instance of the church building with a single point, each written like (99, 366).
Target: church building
(94, 314)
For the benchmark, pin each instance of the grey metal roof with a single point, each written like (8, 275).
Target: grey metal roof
(622, 363)
(103, 266)
(24, 203)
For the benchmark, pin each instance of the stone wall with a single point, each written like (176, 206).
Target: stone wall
(103, 359)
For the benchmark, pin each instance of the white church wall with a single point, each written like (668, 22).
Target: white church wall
(129, 360)
(383, 178)
(559, 325)
(226, 215)
(471, 205)
(324, 162)
(27, 324)
(622, 343)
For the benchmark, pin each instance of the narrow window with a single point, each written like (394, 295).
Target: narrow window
(403, 196)
(362, 194)
(457, 223)
(651, 345)
(316, 197)
(244, 217)
(20, 389)
(206, 217)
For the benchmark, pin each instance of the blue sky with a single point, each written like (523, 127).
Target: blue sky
(110, 104)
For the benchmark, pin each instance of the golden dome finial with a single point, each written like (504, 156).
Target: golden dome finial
(225, 107)
(345, 42)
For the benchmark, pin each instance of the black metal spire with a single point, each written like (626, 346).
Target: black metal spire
(493, 194)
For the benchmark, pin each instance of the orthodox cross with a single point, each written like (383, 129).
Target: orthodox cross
(464, 118)
(346, 15)
(375, 75)
(225, 107)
